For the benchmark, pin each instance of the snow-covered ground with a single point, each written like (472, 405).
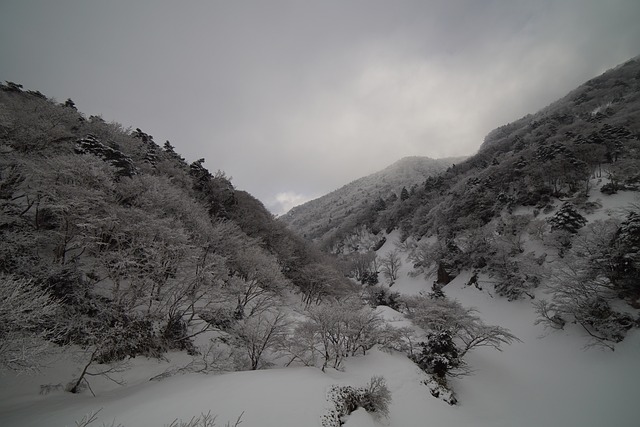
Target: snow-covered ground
(545, 380)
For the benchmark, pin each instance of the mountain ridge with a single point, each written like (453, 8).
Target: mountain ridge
(318, 217)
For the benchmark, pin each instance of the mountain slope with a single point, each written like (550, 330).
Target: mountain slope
(532, 209)
(129, 250)
(592, 132)
(547, 379)
(320, 217)
(122, 246)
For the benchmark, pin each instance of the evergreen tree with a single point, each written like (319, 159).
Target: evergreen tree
(379, 205)
(170, 150)
(568, 219)
(439, 354)
(626, 256)
(69, 103)
(404, 194)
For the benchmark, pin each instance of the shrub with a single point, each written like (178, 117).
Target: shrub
(377, 295)
(204, 420)
(369, 278)
(439, 355)
(27, 323)
(374, 398)
(609, 188)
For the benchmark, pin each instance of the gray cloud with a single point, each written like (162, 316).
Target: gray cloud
(295, 98)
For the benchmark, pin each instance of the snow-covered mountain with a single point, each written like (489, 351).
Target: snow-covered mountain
(493, 296)
(533, 161)
(320, 217)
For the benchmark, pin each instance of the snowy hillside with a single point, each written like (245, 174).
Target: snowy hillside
(137, 289)
(547, 379)
(318, 218)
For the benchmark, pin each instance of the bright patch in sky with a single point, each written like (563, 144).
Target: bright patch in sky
(284, 201)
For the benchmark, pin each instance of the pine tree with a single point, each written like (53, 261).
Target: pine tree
(439, 354)
(568, 219)
(404, 194)
(69, 103)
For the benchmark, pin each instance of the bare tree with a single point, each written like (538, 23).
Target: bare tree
(478, 334)
(362, 264)
(255, 282)
(581, 288)
(343, 329)
(445, 315)
(259, 333)
(91, 368)
(302, 345)
(27, 314)
(390, 265)
(318, 281)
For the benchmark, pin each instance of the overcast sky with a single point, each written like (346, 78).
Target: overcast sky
(294, 99)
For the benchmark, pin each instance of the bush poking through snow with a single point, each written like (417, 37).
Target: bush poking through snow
(375, 398)
(376, 295)
(91, 418)
(204, 420)
(439, 355)
(440, 358)
(50, 388)
(440, 391)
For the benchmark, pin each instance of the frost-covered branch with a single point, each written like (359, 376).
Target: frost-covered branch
(26, 329)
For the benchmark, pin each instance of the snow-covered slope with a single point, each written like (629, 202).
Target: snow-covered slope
(545, 380)
(316, 218)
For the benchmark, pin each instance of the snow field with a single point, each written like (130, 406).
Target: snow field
(548, 379)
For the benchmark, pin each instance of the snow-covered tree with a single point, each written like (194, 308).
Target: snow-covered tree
(583, 284)
(404, 194)
(341, 329)
(439, 355)
(259, 334)
(390, 265)
(448, 316)
(363, 266)
(625, 256)
(567, 219)
(27, 324)
(317, 281)
(255, 281)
